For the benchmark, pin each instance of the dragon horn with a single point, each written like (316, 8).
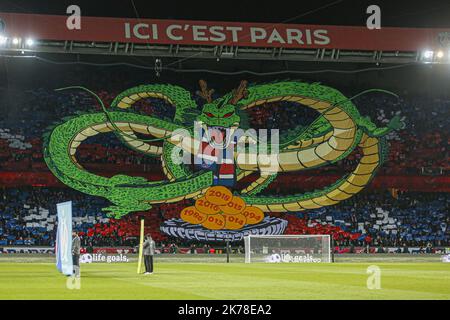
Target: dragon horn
(205, 93)
(240, 92)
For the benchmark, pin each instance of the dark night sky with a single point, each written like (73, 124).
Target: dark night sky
(396, 13)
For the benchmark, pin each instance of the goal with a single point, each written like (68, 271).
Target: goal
(287, 248)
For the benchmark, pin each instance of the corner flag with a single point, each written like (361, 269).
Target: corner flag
(141, 245)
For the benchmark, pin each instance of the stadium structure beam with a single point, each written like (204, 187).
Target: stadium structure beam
(215, 52)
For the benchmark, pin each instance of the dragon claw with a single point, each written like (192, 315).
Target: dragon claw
(119, 211)
(396, 123)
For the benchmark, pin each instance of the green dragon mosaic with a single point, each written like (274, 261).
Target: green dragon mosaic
(337, 131)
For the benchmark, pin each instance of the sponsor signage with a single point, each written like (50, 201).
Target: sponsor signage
(106, 258)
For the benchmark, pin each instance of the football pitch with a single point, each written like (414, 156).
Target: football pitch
(38, 279)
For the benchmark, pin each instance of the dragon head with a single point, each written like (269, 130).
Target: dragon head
(219, 118)
(221, 113)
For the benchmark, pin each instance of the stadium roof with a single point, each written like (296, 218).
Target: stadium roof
(399, 13)
(427, 43)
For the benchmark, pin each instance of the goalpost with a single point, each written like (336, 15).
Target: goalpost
(287, 248)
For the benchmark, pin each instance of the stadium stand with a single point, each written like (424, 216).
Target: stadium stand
(376, 219)
(395, 218)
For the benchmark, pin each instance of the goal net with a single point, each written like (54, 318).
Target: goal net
(287, 248)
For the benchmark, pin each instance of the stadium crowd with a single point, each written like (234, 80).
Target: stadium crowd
(27, 216)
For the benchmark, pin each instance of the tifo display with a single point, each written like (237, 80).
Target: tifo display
(219, 209)
(225, 155)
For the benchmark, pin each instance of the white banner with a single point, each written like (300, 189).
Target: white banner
(64, 261)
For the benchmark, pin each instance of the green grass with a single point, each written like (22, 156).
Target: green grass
(40, 280)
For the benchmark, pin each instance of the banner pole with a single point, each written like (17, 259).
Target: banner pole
(141, 245)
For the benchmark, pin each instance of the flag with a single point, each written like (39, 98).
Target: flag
(64, 238)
